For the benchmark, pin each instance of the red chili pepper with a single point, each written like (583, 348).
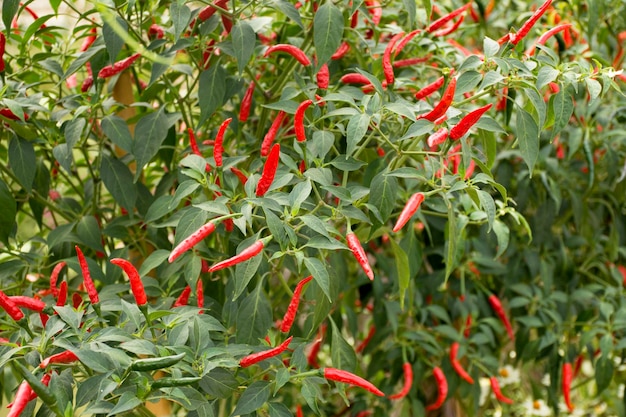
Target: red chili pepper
(446, 18)
(499, 310)
(495, 386)
(355, 78)
(292, 309)
(28, 302)
(246, 102)
(62, 298)
(468, 326)
(441, 108)
(323, 77)
(208, 11)
(401, 63)
(3, 43)
(338, 375)
(437, 138)
(515, 38)
(442, 387)
(375, 10)
(404, 42)
(136, 285)
(191, 241)
(111, 70)
(430, 88)
(249, 252)
(193, 143)
(341, 51)
(458, 368)
(86, 85)
(155, 31)
(54, 278)
(411, 206)
(63, 357)
(292, 50)
(298, 120)
(467, 122)
(10, 115)
(200, 295)
(183, 298)
(271, 133)
(450, 29)
(408, 382)
(266, 354)
(299, 412)
(77, 300)
(387, 67)
(89, 285)
(543, 38)
(218, 149)
(22, 397)
(10, 307)
(239, 174)
(568, 377)
(269, 171)
(315, 347)
(359, 254)
(370, 334)
(89, 40)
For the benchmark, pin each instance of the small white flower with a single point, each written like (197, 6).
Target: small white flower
(485, 390)
(546, 380)
(537, 408)
(508, 375)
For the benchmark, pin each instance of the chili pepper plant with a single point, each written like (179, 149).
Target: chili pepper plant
(331, 208)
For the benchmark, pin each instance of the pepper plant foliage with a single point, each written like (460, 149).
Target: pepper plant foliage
(527, 206)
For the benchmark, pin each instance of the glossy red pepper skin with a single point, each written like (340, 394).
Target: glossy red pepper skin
(10, 115)
(193, 143)
(292, 50)
(410, 208)
(292, 309)
(323, 77)
(183, 298)
(10, 307)
(437, 138)
(442, 107)
(408, 382)
(448, 30)
(62, 357)
(191, 241)
(240, 175)
(250, 252)
(456, 365)
(200, 295)
(495, 387)
(430, 88)
(22, 398)
(442, 389)
(464, 125)
(218, 149)
(3, 43)
(54, 277)
(338, 375)
(446, 18)
(387, 67)
(359, 254)
(355, 78)
(298, 120)
(547, 35)
(404, 42)
(208, 11)
(266, 354)
(515, 38)
(271, 133)
(499, 310)
(401, 63)
(567, 378)
(111, 70)
(368, 338)
(269, 171)
(246, 103)
(136, 286)
(155, 32)
(315, 347)
(341, 51)
(62, 298)
(89, 40)
(28, 302)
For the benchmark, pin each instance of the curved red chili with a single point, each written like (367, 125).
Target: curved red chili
(246, 102)
(315, 347)
(193, 143)
(136, 285)
(191, 241)
(341, 51)
(568, 377)
(292, 50)
(28, 302)
(292, 309)
(116, 68)
(298, 120)
(10, 115)
(62, 357)
(446, 18)
(249, 252)
(260, 356)
(495, 387)
(411, 206)
(515, 38)
(441, 108)
(323, 77)
(54, 277)
(218, 149)
(387, 67)
(240, 175)
(271, 133)
(355, 78)
(401, 63)
(467, 122)
(359, 254)
(155, 31)
(183, 298)
(22, 397)
(89, 285)
(368, 338)
(430, 88)
(269, 171)
(10, 307)
(408, 382)
(442, 389)
(408, 38)
(456, 365)
(499, 310)
(208, 11)
(62, 298)
(338, 375)
(437, 138)
(200, 295)
(450, 29)
(543, 38)
(375, 10)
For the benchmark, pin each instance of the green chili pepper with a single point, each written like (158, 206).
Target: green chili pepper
(175, 382)
(152, 364)
(38, 387)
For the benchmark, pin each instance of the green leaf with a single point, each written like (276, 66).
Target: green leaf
(112, 39)
(88, 231)
(244, 272)
(488, 205)
(604, 373)
(254, 317)
(150, 132)
(22, 160)
(63, 154)
(402, 269)
(211, 91)
(546, 76)
(118, 179)
(41, 185)
(116, 129)
(190, 221)
(289, 10)
(9, 9)
(219, 383)
(279, 410)
(298, 195)
(502, 234)
(8, 211)
(356, 130)
(73, 131)
(253, 398)
(320, 274)
(180, 15)
(243, 38)
(341, 353)
(563, 108)
(327, 31)
(528, 137)
(383, 192)
(126, 402)
(411, 10)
